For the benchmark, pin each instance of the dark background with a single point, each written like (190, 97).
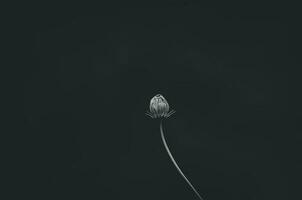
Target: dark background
(230, 70)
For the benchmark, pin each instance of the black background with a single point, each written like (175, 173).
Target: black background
(230, 70)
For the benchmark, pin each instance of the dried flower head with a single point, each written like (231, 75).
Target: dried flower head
(159, 107)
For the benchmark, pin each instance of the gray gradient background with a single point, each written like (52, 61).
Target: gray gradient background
(226, 69)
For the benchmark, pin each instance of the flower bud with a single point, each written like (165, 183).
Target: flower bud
(159, 107)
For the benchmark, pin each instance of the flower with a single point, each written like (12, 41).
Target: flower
(159, 107)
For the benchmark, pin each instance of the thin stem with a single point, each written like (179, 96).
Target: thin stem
(174, 162)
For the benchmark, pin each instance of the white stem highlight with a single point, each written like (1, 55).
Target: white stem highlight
(174, 162)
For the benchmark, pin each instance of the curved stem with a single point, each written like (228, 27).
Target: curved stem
(174, 162)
